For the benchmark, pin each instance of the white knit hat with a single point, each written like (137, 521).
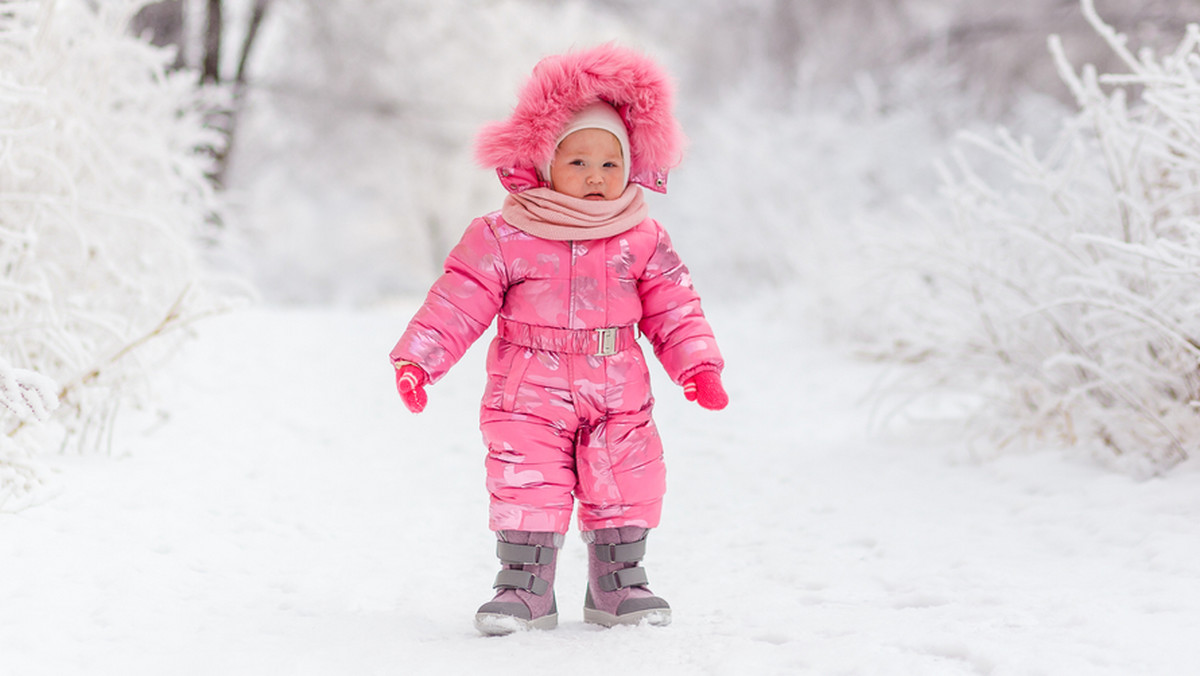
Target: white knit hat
(598, 115)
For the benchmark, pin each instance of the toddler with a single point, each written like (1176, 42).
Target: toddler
(573, 268)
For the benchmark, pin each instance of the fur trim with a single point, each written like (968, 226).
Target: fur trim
(564, 84)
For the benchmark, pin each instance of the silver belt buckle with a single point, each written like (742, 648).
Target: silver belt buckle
(606, 340)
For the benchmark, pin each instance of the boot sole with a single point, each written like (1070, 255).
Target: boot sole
(655, 617)
(495, 624)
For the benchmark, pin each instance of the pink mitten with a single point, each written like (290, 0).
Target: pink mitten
(410, 383)
(705, 389)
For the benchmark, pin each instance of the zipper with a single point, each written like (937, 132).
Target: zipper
(571, 289)
(570, 358)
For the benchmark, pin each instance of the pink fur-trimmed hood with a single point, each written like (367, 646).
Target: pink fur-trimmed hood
(564, 84)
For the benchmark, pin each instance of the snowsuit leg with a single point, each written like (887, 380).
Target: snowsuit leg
(564, 426)
(530, 472)
(621, 472)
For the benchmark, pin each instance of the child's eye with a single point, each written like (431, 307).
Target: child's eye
(610, 165)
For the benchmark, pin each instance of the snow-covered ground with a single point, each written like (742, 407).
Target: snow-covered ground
(290, 517)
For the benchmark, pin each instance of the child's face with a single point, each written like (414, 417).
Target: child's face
(588, 165)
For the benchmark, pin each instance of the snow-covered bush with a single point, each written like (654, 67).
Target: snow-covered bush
(1062, 289)
(103, 195)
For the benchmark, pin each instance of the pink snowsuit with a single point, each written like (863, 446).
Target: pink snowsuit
(557, 417)
(566, 412)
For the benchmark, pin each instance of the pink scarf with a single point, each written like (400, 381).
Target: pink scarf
(547, 214)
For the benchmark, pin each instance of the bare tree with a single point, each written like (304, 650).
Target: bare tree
(256, 19)
(211, 73)
(214, 27)
(164, 24)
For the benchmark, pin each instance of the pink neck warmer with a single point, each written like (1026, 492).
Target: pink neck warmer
(547, 214)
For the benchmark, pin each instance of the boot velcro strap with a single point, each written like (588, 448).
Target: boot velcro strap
(513, 553)
(520, 579)
(626, 577)
(630, 552)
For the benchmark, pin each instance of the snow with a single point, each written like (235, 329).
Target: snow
(290, 517)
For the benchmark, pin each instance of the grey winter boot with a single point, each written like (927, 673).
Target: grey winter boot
(525, 599)
(617, 592)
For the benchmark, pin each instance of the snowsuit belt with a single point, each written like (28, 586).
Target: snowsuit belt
(601, 342)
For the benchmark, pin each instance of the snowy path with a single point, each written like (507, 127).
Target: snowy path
(291, 518)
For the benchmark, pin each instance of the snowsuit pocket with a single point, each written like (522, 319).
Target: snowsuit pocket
(518, 364)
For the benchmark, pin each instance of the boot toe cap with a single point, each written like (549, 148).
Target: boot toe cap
(506, 608)
(640, 605)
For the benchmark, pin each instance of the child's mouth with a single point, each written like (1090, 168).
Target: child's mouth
(594, 196)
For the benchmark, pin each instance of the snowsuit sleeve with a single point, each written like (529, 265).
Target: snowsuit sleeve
(460, 305)
(672, 318)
